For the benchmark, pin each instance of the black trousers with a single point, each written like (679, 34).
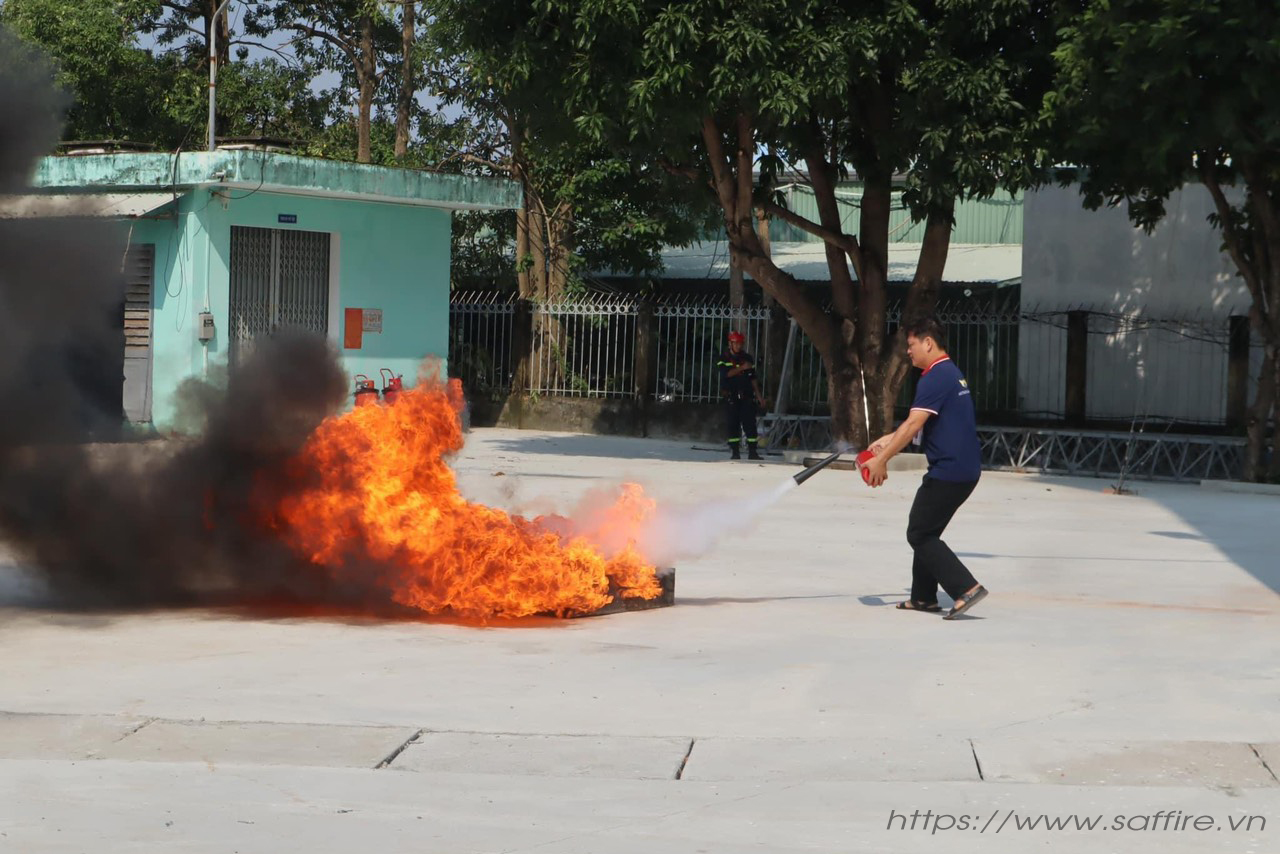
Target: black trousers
(741, 419)
(934, 562)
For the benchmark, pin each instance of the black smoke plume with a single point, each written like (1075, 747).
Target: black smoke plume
(108, 523)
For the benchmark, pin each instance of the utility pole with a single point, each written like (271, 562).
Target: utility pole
(213, 70)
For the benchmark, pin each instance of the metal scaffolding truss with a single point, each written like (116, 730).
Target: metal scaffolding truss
(1145, 456)
(1139, 456)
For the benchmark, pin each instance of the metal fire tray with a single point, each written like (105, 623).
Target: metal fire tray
(666, 577)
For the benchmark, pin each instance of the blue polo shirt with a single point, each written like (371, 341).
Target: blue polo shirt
(950, 439)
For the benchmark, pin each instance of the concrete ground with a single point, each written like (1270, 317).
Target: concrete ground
(1124, 670)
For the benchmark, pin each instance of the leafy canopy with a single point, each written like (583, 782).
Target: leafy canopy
(1150, 91)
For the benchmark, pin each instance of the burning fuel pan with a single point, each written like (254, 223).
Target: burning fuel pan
(666, 577)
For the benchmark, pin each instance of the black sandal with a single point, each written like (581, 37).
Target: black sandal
(912, 605)
(964, 603)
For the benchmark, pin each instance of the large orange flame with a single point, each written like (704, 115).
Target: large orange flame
(380, 500)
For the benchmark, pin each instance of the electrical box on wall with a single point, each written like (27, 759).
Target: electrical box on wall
(205, 328)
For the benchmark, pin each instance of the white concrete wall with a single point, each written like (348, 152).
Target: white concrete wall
(1073, 256)
(1096, 260)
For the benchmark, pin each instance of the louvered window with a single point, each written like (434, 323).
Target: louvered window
(139, 270)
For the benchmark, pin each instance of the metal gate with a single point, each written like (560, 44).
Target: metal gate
(139, 271)
(279, 278)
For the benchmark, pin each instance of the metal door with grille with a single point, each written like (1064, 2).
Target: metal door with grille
(139, 271)
(279, 279)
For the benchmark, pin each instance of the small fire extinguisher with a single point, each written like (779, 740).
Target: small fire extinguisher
(863, 458)
(366, 391)
(392, 385)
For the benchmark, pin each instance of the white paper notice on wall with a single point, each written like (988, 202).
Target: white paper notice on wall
(372, 320)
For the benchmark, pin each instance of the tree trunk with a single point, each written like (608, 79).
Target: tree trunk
(1256, 254)
(559, 253)
(523, 280)
(778, 326)
(846, 391)
(834, 345)
(922, 299)
(821, 175)
(732, 182)
(873, 240)
(1260, 414)
(367, 79)
(537, 250)
(1272, 447)
(762, 232)
(520, 172)
(522, 346)
(549, 351)
(737, 296)
(404, 103)
(522, 321)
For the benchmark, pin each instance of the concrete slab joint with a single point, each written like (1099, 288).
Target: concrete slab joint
(1233, 765)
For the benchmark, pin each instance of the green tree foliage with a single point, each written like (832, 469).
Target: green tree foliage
(1153, 94)
(114, 83)
(121, 90)
(941, 96)
(586, 206)
(355, 38)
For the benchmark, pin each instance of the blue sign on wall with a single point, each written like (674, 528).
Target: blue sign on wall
(286, 217)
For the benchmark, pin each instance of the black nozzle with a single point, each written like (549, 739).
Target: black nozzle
(801, 477)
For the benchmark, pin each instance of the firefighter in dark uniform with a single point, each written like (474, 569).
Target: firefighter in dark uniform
(741, 389)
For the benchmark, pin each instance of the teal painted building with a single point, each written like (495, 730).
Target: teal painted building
(222, 247)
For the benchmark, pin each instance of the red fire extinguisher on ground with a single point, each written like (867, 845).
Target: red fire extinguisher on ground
(366, 391)
(391, 387)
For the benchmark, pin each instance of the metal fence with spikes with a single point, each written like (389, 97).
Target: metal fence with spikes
(482, 341)
(1024, 365)
(689, 337)
(584, 347)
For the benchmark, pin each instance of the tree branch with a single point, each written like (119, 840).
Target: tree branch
(845, 242)
(467, 157)
(1259, 199)
(817, 324)
(1233, 239)
(746, 159)
(824, 193)
(722, 178)
(328, 37)
(679, 171)
(289, 58)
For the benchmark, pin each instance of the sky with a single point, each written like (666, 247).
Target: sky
(279, 41)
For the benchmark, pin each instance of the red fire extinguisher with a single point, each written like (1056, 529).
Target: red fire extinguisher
(392, 385)
(863, 458)
(366, 391)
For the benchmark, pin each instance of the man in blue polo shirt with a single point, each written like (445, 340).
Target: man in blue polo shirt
(943, 414)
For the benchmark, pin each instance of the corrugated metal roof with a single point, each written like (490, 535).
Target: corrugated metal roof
(97, 205)
(808, 262)
(979, 221)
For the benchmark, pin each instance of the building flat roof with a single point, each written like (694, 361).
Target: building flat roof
(276, 173)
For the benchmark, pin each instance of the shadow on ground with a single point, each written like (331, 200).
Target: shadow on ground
(1240, 525)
